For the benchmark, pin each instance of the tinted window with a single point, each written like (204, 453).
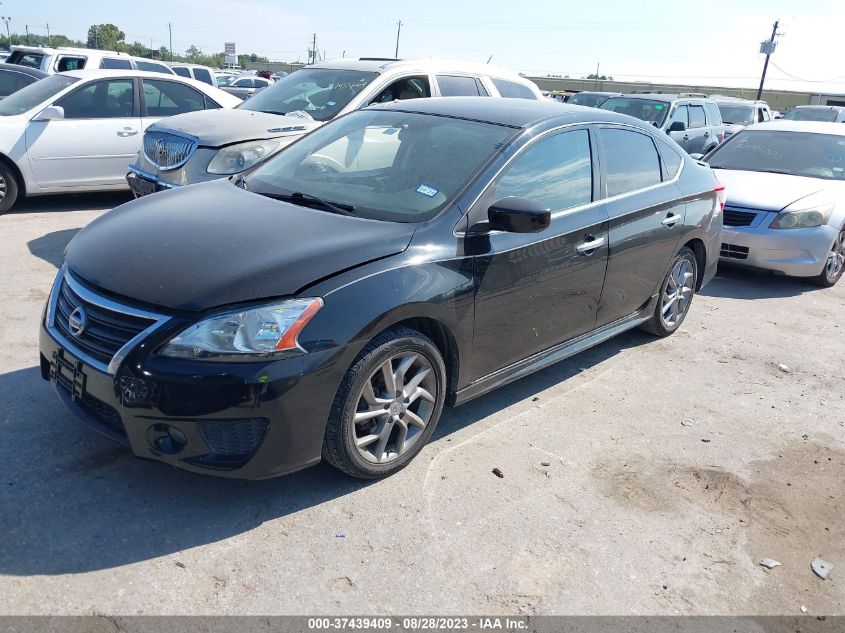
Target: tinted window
(153, 67)
(738, 114)
(512, 90)
(244, 83)
(105, 99)
(713, 115)
(671, 159)
(681, 114)
(811, 114)
(644, 109)
(630, 161)
(556, 172)
(115, 64)
(454, 86)
(34, 94)
(797, 153)
(69, 63)
(201, 74)
(166, 98)
(31, 60)
(696, 116)
(394, 166)
(11, 82)
(181, 71)
(318, 92)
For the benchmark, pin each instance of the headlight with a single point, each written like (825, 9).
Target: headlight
(256, 331)
(802, 218)
(236, 158)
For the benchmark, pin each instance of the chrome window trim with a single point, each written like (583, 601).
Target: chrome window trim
(112, 367)
(588, 205)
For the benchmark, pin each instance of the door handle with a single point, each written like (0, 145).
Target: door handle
(686, 137)
(706, 134)
(671, 220)
(127, 131)
(590, 245)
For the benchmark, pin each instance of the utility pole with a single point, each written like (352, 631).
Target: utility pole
(596, 83)
(768, 48)
(26, 26)
(7, 19)
(49, 41)
(489, 58)
(170, 30)
(96, 36)
(312, 52)
(398, 31)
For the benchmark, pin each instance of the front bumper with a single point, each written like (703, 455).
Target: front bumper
(238, 420)
(794, 252)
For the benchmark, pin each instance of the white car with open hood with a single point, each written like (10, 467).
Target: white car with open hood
(77, 131)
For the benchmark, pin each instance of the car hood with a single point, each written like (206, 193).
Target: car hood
(764, 191)
(215, 128)
(214, 244)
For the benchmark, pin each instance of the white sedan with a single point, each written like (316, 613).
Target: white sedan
(79, 130)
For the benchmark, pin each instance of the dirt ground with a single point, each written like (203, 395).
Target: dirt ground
(644, 476)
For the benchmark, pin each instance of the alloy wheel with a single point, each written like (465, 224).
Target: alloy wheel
(836, 257)
(2, 188)
(677, 294)
(394, 407)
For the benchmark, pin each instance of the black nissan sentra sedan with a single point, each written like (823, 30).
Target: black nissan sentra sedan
(398, 259)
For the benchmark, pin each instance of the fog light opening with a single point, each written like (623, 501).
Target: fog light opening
(166, 439)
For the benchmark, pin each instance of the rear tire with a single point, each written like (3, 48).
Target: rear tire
(387, 405)
(676, 294)
(8, 188)
(835, 265)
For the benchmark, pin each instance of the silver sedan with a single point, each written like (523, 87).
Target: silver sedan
(785, 206)
(245, 87)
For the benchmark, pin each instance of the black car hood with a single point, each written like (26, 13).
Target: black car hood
(214, 244)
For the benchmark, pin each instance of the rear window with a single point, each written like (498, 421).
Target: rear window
(588, 99)
(737, 114)
(513, 90)
(30, 60)
(811, 114)
(201, 74)
(115, 64)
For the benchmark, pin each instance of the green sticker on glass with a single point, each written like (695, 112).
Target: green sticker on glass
(659, 107)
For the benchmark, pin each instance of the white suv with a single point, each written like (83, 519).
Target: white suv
(203, 146)
(59, 60)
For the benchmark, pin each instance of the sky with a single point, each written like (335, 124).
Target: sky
(695, 42)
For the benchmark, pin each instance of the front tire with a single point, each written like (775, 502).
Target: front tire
(676, 294)
(387, 405)
(8, 188)
(835, 264)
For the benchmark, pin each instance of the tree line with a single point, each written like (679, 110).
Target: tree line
(110, 37)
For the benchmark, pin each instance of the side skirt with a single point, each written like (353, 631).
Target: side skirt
(553, 355)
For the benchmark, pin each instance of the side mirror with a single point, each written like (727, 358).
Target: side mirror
(51, 113)
(518, 215)
(677, 126)
(696, 156)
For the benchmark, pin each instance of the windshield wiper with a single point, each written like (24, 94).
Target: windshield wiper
(306, 199)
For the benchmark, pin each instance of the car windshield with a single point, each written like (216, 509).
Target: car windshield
(782, 152)
(587, 99)
(319, 92)
(645, 109)
(393, 166)
(34, 94)
(736, 114)
(811, 114)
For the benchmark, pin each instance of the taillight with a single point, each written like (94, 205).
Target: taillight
(722, 194)
(722, 136)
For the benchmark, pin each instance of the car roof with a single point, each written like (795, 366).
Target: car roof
(735, 100)
(382, 65)
(662, 96)
(517, 113)
(818, 107)
(811, 127)
(597, 92)
(26, 70)
(99, 72)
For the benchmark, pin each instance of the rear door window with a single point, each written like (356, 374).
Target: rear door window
(456, 86)
(201, 74)
(696, 116)
(181, 71)
(714, 116)
(630, 161)
(512, 90)
(165, 98)
(153, 67)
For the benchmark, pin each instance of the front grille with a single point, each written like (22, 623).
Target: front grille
(234, 438)
(733, 217)
(733, 251)
(104, 414)
(166, 150)
(105, 331)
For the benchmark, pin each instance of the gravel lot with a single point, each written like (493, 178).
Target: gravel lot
(644, 476)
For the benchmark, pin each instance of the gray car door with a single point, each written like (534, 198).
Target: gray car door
(680, 113)
(698, 132)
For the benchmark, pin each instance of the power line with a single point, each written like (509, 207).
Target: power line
(813, 81)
